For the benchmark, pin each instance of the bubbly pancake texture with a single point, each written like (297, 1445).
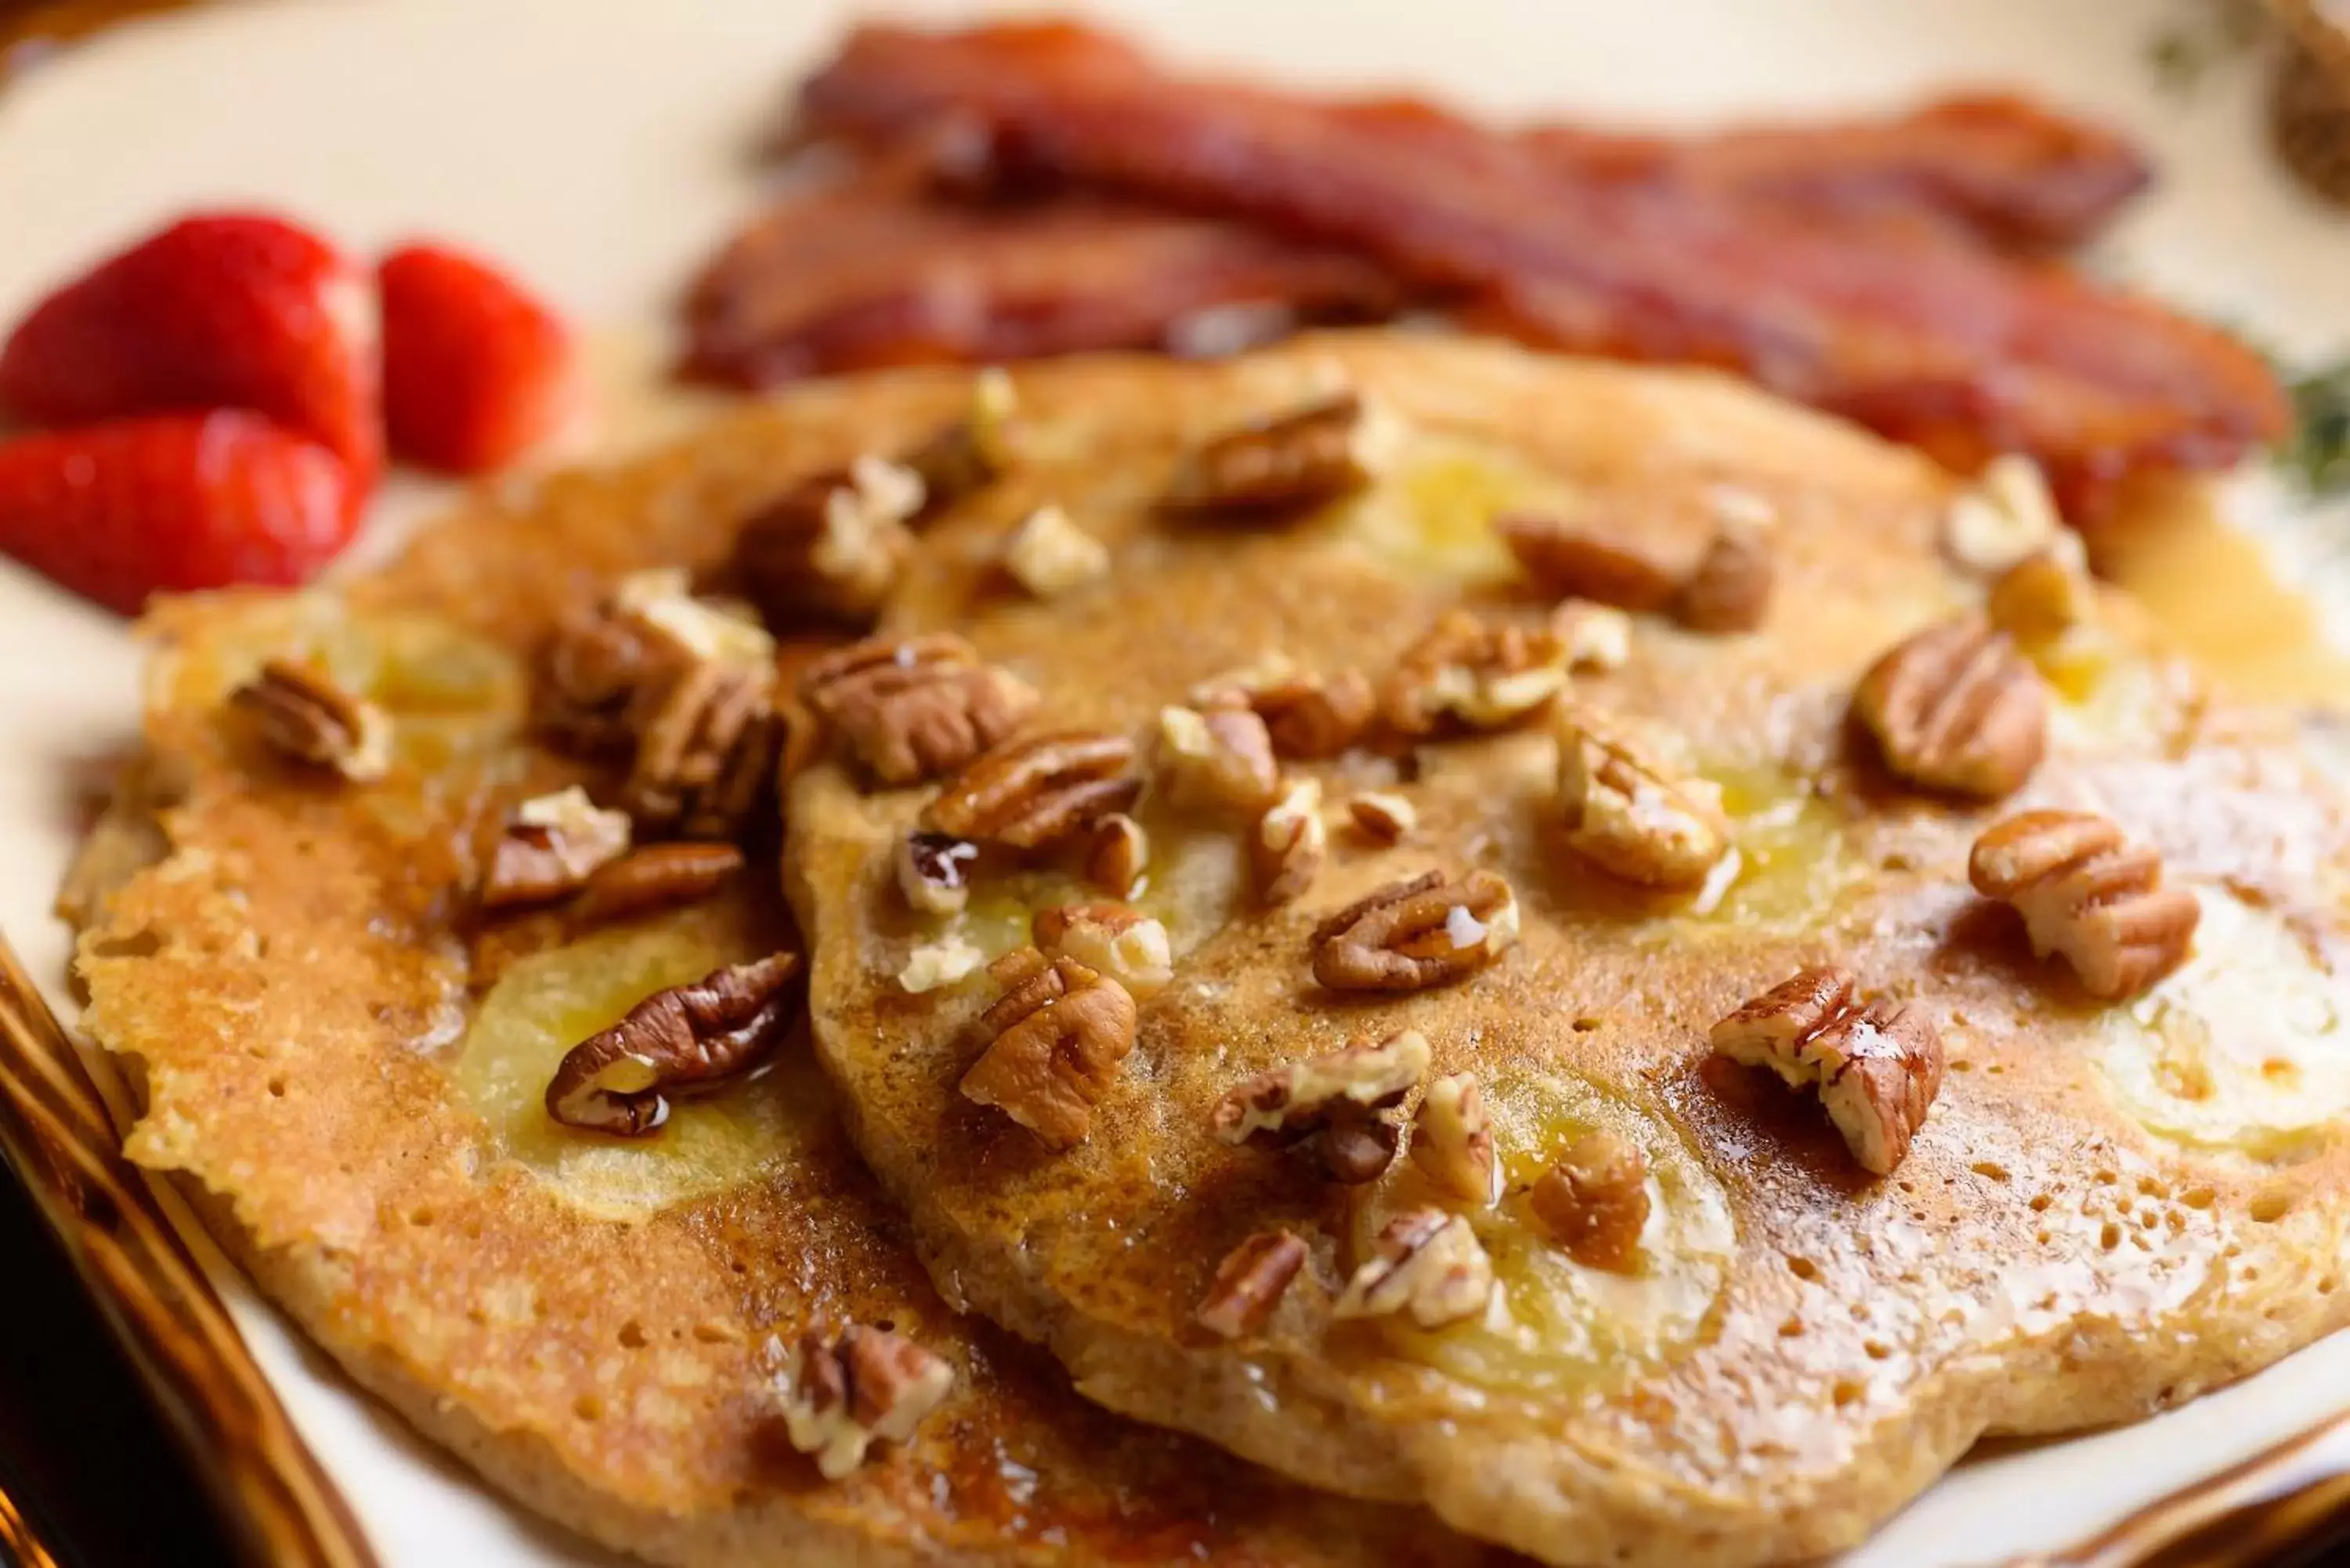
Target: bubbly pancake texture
(343, 1061)
(2109, 1208)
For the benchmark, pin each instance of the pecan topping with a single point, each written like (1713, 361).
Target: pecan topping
(1427, 1263)
(658, 876)
(1307, 715)
(1475, 674)
(831, 548)
(1117, 855)
(552, 845)
(1630, 566)
(602, 668)
(1037, 792)
(971, 454)
(1730, 588)
(910, 708)
(1594, 1202)
(302, 713)
(1384, 815)
(686, 1038)
(1419, 933)
(1125, 944)
(1290, 844)
(1059, 1033)
(1299, 459)
(935, 871)
(1335, 1100)
(705, 753)
(1956, 708)
(1220, 759)
(1050, 555)
(1597, 637)
(943, 962)
(1628, 814)
(2040, 597)
(1452, 1139)
(842, 1396)
(1877, 1066)
(2006, 516)
(1250, 1282)
(2087, 893)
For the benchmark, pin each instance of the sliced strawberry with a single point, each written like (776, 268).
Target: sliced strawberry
(219, 310)
(476, 370)
(172, 502)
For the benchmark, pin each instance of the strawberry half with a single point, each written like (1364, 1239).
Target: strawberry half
(476, 369)
(171, 502)
(219, 310)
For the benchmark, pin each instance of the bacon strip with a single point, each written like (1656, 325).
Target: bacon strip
(1957, 350)
(870, 270)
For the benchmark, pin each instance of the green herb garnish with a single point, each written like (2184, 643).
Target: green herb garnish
(2317, 453)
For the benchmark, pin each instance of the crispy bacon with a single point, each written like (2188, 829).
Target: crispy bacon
(871, 269)
(1961, 351)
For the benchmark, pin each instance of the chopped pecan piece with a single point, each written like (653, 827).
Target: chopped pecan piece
(1058, 1036)
(1299, 459)
(1594, 1202)
(1418, 933)
(1473, 674)
(1118, 856)
(910, 708)
(604, 668)
(933, 871)
(1307, 715)
(972, 453)
(2007, 516)
(842, 1394)
(303, 712)
(1730, 587)
(1427, 1263)
(658, 876)
(1383, 815)
(1452, 1139)
(1611, 562)
(1877, 1066)
(1629, 815)
(2085, 892)
(1220, 759)
(1125, 944)
(1290, 844)
(831, 548)
(2040, 597)
(1250, 1282)
(1597, 637)
(1037, 792)
(1050, 555)
(1956, 708)
(1335, 1100)
(677, 1041)
(705, 753)
(551, 847)
(943, 962)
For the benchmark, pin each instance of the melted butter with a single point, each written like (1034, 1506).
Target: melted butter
(1790, 859)
(1554, 1325)
(1433, 515)
(1196, 882)
(2245, 1050)
(548, 1002)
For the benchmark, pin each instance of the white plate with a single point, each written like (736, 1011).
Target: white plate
(602, 146)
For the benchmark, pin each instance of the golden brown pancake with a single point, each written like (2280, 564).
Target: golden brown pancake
(344, 1063)
(2110, 1207)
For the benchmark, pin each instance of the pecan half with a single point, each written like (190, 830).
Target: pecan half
(303, 713)
(2040, 597)
(1729, 589)
(1474, 675)
(656, 877)
(967, 456)
(1058, 1036)
(1118, 856)
(1290, 844)
(1335, 1100)
(1126, 945)
(841, 1396)
(1956, 708)
(1286, 463)
(603, 666)
(1452, 1139)
(2086, 892)
(1877, 1066)
(1033, 792)
(1050, 555)
(1427, 1263)
(1307, 715)
(935, 871)
(1383, 815)
(909, 709)
(1611, 562)
(2006, 516)
(831, 548)
(705, 753)
(1414, 934)
(551, 846)
(1629, 815)
(1594, 1202)
(1250, 1282)
(1220, 759)
(687, 1038)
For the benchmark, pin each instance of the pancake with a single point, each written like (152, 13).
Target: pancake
(2109, 1207)
(342, 1061)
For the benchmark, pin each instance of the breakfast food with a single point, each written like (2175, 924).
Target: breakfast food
(1730, 1097)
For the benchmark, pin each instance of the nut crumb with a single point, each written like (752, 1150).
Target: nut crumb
(2006, 516)
(2040, 598)
(1050, 555)
(551, 846)
(1126, 945)
(1056, 1038)
(1250, 1282)
(1383, 815)
(1729, 589)
(938, 964)
(1452, 1139)
(1426, 1263)
(1595, 1202)
(2087, 893)
(1597, 637)
(686, 1038)
(967, 456)
(1336, 1101)
(1875, 1066)
(1421, 932)
(910, 708)
(1220, 759)
(1628, 814)
(1956, 708)
(1290, 844)
(842, 1396)
(303, 714)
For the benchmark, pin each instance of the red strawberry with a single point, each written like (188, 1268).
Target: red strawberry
(221, 311)
(474, 370)
(171, 502)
